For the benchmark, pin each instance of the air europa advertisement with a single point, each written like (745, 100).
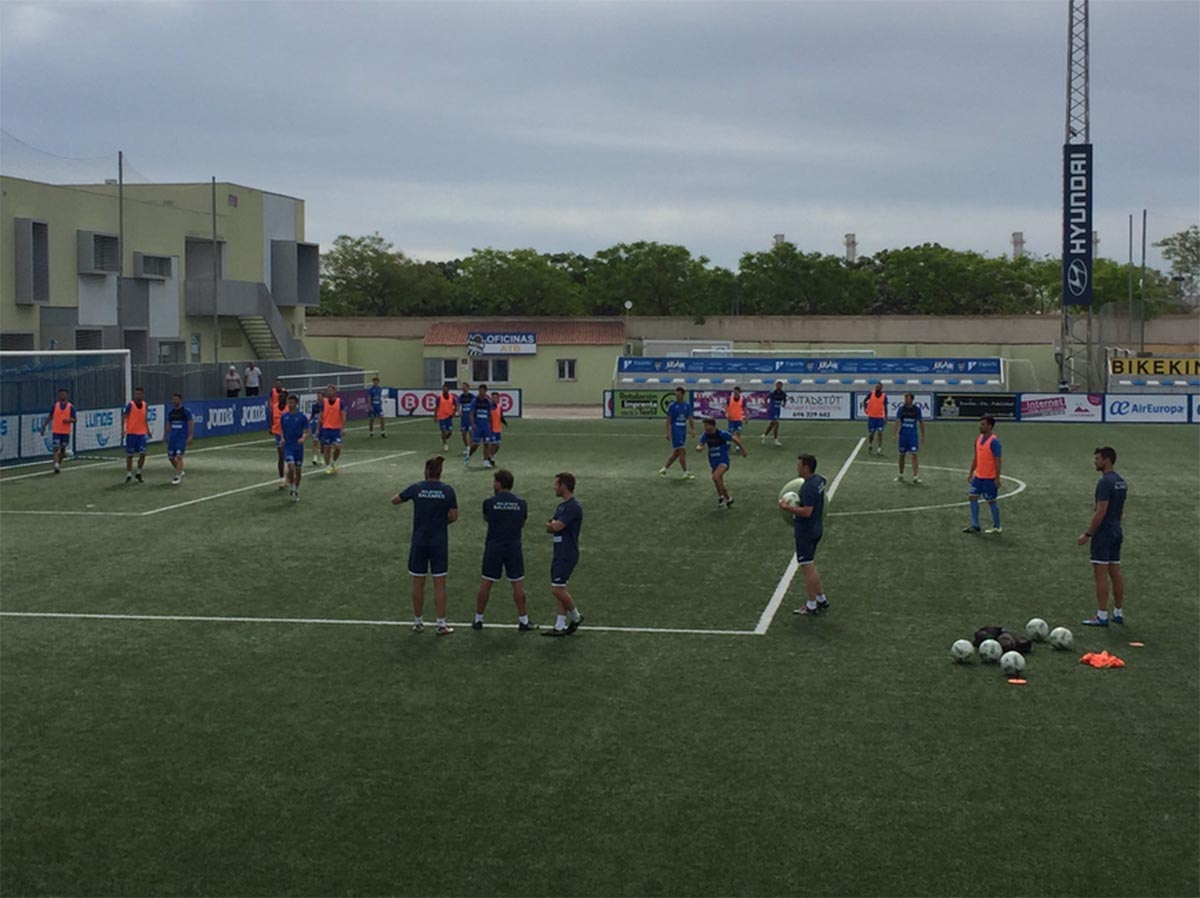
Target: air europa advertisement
(1144, 409)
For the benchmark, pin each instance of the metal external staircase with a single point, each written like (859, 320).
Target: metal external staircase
(262, 341)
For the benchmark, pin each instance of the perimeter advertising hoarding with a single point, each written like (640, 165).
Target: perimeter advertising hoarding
(799, 406)
(1156, 367)
(1062, 407)
(970, 406)
(1142, 409)
(417, 402)
(637, 403)
(815, 366)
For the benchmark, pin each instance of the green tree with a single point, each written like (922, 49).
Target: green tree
(515, 282)
(1182, 250)
(785, 281)
(367, 276)
(659, 279)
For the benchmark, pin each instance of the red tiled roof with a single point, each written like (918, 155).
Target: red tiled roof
(570, 332)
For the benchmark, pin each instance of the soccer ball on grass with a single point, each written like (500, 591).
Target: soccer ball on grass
(1012, 663)
(990, 651)
(1037, 629)
(962, 650)
(1061, 638)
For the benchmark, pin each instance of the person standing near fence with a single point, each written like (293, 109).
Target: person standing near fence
(233, 383)
(253, 379)
(181, 429)
(61, 419)
(333, 421)
(136, 432)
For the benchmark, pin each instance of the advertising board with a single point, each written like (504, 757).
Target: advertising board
(1062, 407)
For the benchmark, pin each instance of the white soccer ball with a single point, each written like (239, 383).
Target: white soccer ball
(1061, 638)
(1037, 629)
(791, 498)
(962, 650)
(1012, 663)
(990, 651)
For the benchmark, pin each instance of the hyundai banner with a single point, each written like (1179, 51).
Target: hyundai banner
(1062, 407)
(1077, 225)
(1142, 409)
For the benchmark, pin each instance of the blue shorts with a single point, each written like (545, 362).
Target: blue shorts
(508, 558)
(876, 425)
(331, 436)
(481, 435)
(293, 453)
(806, 547)
(715, 463)
(493, 438)
(278, 439)
(1106, 547)
(60, 439)
(314, 424)
(424, 560)
(736, 426)
(176, 446)
(560, 570)
(984, 487)
(135, 444)
(775, 411)
(445, 425)
(376, 411)
(907, 446)
(465, 424)
(678, 437)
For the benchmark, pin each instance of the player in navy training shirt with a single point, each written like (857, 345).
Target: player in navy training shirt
(776, 400)
(505, 513)
(1106, 535)
(480, 410)
(564, 527)
(465, 398)
(717, 442)
(908, 421)
(435, 508)
(181, 428)
(375, 398)
(807, 524)
(314, 425)
(292, 426)
(680, 426)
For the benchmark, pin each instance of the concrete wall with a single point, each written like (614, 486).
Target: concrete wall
(399, 362)
(537, 375)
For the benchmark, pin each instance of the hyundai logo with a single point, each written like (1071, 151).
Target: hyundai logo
(1077, 277)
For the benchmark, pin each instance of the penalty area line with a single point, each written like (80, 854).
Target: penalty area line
(351, 622)
(777, 597)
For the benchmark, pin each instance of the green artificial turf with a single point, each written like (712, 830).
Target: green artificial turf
(842, 755)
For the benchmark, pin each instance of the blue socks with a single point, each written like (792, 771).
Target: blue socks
(975, 513)
(995, 507)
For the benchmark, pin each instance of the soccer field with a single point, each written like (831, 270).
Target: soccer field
(222, 695)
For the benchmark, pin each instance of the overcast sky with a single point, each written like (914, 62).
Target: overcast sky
(577, 125)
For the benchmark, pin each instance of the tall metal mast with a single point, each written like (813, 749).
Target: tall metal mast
(1075, 358)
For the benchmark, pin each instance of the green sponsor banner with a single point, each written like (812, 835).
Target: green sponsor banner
(641, 403)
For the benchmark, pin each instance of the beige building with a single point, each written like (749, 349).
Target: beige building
(68, 284)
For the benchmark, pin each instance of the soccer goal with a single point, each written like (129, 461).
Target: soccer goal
(99, 383)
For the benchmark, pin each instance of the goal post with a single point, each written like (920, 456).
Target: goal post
(98, 382)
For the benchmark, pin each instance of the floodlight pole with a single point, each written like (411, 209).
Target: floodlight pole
(216, 316)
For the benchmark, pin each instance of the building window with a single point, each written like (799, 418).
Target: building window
(89, 339)
(450, 372)
(195, 347)
(489, 371)
(566, 369)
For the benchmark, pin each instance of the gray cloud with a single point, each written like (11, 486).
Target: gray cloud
(572, 125)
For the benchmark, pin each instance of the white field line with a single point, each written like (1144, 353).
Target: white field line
(115, 514)
(48, 471)
(777, 597)
(196, 618)
(1021, 487)
(265, 483)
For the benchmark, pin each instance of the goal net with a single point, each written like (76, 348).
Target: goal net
(98, 383)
